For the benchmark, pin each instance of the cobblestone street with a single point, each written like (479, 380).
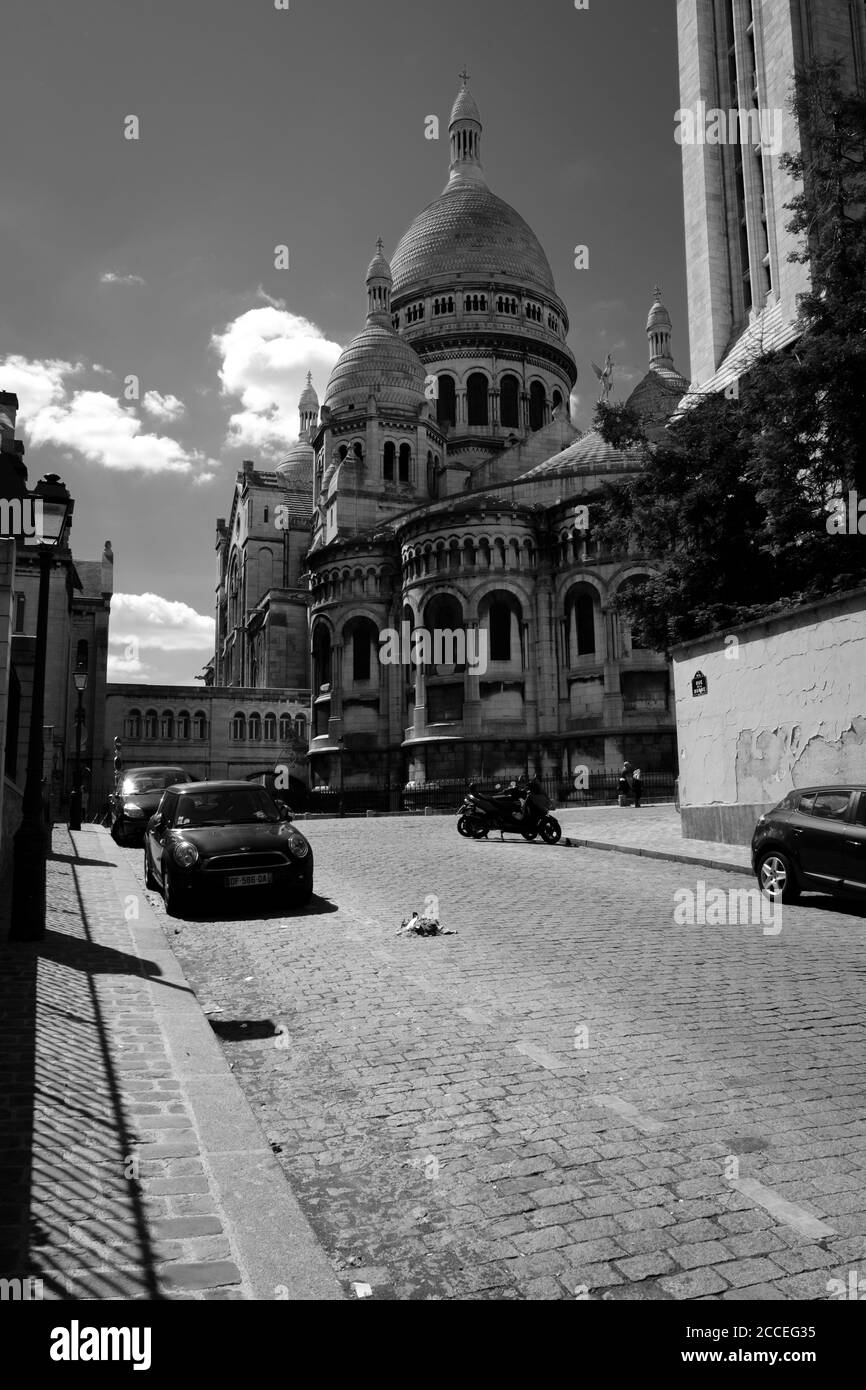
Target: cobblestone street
(573, 1096)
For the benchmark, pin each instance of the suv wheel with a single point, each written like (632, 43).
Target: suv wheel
(776, 877)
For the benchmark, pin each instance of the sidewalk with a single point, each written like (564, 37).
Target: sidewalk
(131, 1165)
(653, 831)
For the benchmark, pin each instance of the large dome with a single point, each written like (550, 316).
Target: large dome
(469, 229)
(380, 363)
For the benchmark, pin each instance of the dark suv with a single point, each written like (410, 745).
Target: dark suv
(813, 840)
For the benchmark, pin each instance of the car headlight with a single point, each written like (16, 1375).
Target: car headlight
(298, 845)
(131, 808)
(185, 854)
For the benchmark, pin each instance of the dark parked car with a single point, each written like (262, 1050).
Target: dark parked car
(137, 798)
(815, 839)
(228, 836)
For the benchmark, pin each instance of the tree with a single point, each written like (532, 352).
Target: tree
(731, 509)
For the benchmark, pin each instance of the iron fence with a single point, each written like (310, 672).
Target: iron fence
(602, 789)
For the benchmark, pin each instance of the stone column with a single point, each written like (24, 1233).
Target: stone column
(420, 719)
(472, 687)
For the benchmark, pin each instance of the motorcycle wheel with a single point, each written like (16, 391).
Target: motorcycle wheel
(529, 834)
(550, 830)
(463, 824)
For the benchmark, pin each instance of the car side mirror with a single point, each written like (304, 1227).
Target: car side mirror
(155, 821)
(284, 810)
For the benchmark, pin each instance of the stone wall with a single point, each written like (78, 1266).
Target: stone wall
(785, 707)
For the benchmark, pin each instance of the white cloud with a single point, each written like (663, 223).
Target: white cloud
(265, 356)
(111, 277)
(166, 407)
(90, 423)
(146, 631)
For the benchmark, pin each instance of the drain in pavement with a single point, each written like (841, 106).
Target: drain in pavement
(243, 1030)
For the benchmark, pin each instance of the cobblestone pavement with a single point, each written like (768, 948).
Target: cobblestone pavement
(106, 1188)
(572, 1097)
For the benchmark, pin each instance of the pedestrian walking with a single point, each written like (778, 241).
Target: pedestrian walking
(637, 787)
(625, 785)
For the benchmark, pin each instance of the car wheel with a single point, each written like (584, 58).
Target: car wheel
(116, 833)
(149, 880)
(170, 895)
(303, 895)
(550, 830)
(776, 877)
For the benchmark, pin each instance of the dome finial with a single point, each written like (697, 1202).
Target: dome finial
(465, 128)
(658, 331)
(378, 280)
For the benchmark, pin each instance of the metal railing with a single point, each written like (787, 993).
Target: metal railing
(602, 789)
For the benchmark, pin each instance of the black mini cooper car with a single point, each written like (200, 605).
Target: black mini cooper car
(815, 839)
(228, 836)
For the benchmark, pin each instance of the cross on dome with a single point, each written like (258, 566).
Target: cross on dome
(464, 75)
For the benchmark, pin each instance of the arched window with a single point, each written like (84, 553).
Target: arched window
(537, 399)
(301, 728)
(81, 656)
(388, 461)
(239, 727)
(267, 514)
(183, 724)
(476, 399)
(199, 724)
(357, 449)
(556, 401)
(150, 724)
(509, 401)
(255, 728)
(321, 658)
(405, 454)
(361, 653)
(446, 404)
(132, 724)
(500, 631)
(270, 728)
(285, 728)
(585, 622)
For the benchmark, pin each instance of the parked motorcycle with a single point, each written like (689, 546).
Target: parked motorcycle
(519, 811)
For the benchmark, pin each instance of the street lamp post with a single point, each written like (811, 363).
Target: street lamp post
(31, 840)
(79, 679)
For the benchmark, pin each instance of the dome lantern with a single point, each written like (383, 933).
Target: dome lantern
(464, 129)
(659, 329)
(308, 409)
(379, 283)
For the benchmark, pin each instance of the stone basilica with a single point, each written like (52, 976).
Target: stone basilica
(442, 484)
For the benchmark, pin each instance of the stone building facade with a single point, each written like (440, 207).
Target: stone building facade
(733, 55)
(453, 494)
(211, 732)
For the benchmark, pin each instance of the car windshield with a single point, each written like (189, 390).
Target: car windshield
(225, 806)
(154, 780)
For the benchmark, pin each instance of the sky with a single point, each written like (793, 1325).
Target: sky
(151, 339)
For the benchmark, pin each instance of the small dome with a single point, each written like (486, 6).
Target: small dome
(309, 400)
(464, 108)
(589, 454)
(296, 469)
(377, 362)
(658, 316)
(379, 269)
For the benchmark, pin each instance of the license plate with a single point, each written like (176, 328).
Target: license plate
(248, 880)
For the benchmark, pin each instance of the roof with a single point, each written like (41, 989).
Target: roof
(470, 230)
(589, 452)
(379, 362)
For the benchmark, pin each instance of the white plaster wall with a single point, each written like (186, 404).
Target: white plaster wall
(785, 707)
